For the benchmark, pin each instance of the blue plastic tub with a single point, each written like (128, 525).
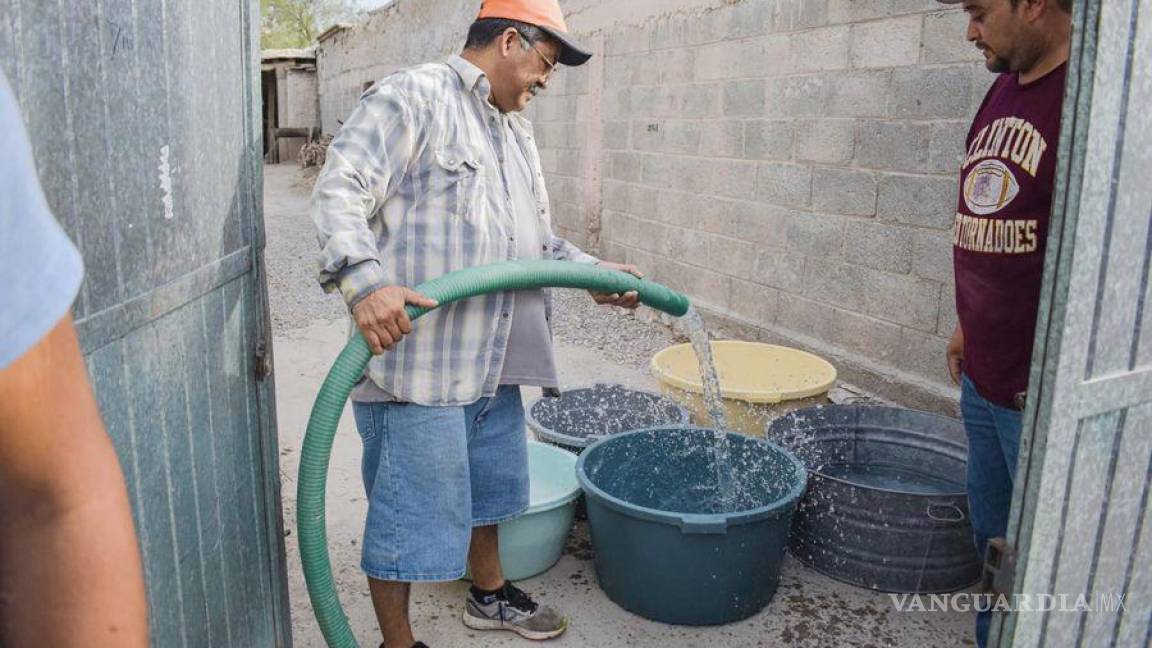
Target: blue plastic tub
(533, 542)
(664, 547)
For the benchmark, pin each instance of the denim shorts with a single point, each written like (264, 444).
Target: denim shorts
(433, 473)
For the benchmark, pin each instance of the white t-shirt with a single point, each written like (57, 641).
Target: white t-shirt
(40, 268)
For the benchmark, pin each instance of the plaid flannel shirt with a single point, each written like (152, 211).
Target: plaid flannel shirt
(413, 188)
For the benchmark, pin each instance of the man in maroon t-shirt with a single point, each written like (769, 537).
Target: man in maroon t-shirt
(999, 238)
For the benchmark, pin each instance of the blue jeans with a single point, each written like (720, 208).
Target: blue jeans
(993, 442)
(434, 473)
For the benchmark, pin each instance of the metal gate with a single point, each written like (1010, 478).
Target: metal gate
(1080, 520)
(145, 122)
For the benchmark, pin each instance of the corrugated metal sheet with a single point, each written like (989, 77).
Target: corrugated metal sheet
(1083, 526)
(144, 118)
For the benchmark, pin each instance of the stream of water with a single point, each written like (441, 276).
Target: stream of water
(693, 325)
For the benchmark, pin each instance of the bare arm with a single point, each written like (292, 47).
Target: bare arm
(70, 572)
(955, 355)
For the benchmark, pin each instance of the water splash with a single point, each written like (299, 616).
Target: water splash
(693, 325)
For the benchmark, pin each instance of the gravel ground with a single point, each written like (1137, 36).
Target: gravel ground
(297, 301)
(294, 296)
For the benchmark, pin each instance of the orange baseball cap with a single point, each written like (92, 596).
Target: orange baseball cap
(544, 14)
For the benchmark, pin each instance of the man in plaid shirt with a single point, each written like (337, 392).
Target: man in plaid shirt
(436, 171)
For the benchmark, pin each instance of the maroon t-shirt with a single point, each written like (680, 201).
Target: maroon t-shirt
(1001, 227)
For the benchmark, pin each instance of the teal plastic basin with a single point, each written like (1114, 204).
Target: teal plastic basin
(667, 547)
(533, 542)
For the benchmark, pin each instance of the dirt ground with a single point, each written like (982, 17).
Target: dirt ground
(809, 610)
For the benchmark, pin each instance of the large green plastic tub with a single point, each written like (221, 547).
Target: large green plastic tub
(533, 542)
(663, 548)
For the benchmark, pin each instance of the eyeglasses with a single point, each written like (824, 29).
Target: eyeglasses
(551, 66)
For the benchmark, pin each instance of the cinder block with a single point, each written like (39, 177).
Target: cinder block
(655, 101)
(768, 139)
(827, 141)
(816, 235)
(789, 15)
(668, 33)
(707, 27)
(848, 11)
(620, 227)
(575, 80)
(617, 196)
(618, 103)
(900, 7)
(948, 320)
(627, 41)
(548, 160)
(867, 336)
(932, 255)
(924, 355)
(701, 100)
(666, 136)
(766, 225)
(947, 146)
(824, 48)
(981, 80)
(946, 40)
(726, 60)
(692, 211)
(896, 146)
(616, 134)
(570, 217)
(731, 178)
(804, 316)
(786, 185)
(744, 98)
(780, 269)
(729, 256)
(923, 201)
(902, 299)
(571, 163)
(795, 96)
(643, 202)
(627, 167)
(646, 261)
(673, 66)
(836, 283)
(886, 43)
(629, 69)
(747, 19)
(686, 245)
(881, 246)
(844, 191)
(722, 138)
(755, 302)
(701, 284)
(858, 94)
(930, 93)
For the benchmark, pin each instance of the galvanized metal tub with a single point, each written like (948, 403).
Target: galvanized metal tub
(581, 416)
(886, 506)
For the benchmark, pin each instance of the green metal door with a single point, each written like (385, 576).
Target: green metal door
(145, 123)
(1081, 519)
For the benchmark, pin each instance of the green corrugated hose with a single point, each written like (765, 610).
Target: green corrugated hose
(317, 449)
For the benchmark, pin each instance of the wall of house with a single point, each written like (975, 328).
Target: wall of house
(791, 164)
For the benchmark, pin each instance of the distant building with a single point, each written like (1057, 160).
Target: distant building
(288, 86)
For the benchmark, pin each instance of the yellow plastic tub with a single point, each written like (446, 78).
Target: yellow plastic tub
(758, 382)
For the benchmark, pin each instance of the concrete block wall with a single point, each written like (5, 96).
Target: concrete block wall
(791, 164)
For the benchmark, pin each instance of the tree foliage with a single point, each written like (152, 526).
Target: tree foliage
(296, 23)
